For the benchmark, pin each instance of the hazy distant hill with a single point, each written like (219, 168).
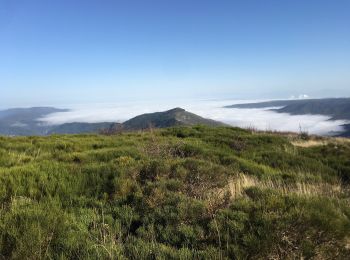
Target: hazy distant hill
(28, 113)
(173, 117)
(24, 121)
(78, 128)
(336, 108)
(346, 132)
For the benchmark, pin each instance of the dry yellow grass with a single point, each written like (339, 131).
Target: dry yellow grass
(237, 186)
(309, 143)
(320, 141)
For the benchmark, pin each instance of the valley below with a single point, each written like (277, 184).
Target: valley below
(325, 117)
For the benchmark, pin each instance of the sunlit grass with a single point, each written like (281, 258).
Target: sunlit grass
(178, 193)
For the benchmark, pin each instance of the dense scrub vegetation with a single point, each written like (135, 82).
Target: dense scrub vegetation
(177, 193)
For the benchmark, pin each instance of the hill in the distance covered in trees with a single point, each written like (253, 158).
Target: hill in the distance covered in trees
(177, 193)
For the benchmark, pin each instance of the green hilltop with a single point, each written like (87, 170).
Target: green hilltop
(177, 193)
(173, 117)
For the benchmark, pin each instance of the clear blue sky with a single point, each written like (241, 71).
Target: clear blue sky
(66, 51)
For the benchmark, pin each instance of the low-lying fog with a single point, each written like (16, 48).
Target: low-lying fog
(262, 119)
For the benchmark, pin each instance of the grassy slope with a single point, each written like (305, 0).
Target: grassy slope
(177, 193)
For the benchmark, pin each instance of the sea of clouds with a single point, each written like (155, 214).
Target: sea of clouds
(262, 119)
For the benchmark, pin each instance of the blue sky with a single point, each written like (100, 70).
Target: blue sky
(57, 52)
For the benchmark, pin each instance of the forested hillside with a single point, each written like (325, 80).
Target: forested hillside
(177, 193)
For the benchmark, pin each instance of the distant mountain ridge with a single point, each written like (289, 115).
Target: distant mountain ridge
(25, 122)
(335, 108)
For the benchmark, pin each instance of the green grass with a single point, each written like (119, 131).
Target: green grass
(167, 194)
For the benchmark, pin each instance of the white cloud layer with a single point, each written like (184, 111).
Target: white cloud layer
(301, 96)
(262, 119)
